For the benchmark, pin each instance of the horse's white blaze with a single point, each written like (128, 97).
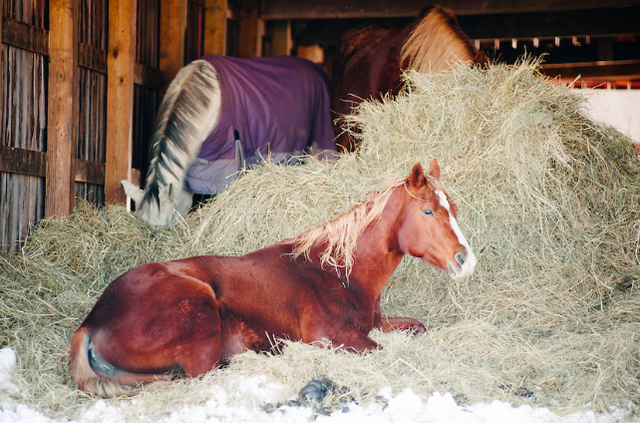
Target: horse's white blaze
(470, 263)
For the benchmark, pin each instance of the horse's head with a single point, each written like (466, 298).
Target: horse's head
(429, 229)
(170, 205)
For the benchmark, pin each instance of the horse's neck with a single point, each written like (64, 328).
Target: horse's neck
(377, 253)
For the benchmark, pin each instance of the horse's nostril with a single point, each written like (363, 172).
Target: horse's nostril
(460, 258)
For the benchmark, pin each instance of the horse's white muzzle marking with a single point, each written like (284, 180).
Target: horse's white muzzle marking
(464, 262)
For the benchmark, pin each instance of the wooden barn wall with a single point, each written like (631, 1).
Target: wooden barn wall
(194, 36)
(23, 126)
(81, 83)
(145, 91)
(92, 94)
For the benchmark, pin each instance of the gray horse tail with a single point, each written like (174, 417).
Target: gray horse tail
(188, 113)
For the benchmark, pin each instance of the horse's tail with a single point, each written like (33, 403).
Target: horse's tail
(86, 378)
(188, 113)
(436, 42)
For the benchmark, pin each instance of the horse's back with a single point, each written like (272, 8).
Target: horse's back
(272, 107)
(366, 65)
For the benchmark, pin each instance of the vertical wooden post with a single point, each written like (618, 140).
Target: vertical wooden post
(280, 33)
(215, 27)
(63, 50)
(2, 64)
(252, 29)
(173, 23)
(120, 58)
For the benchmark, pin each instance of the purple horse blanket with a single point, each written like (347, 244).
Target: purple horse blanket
(272, 108)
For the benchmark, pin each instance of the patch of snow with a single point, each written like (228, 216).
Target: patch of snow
(405, 407)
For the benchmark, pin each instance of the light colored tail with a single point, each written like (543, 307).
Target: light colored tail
(86, 378)
(436, 43)
(189, 111)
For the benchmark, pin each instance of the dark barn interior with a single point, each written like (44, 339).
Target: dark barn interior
(82, 79)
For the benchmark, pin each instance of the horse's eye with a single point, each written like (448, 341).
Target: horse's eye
(427, 212)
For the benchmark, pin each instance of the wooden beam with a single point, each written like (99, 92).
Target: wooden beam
(215, 27)
(89, 171)
(251, 29)
(331, 9)
(2, 72)
(62, 114)
(92, 58)
(552, 24)
(147, 77)
(24, 36)
(119, 99)
(281, 39)
(23, 162)
(627, 70)
(34, 163)
(173, 21)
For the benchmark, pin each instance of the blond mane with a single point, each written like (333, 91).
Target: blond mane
(340, 235)
(436, 43)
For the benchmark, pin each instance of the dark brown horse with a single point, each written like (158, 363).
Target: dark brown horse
(368, 61)
(182, 318)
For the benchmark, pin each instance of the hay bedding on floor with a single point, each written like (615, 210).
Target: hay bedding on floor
(548, 199)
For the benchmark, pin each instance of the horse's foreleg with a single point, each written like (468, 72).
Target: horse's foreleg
(389, 324)
(351, 338)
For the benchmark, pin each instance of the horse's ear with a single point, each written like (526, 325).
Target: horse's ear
(434, 169)
(132, 191)
(416, 178)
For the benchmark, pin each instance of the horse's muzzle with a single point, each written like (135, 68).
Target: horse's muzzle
(463, 264)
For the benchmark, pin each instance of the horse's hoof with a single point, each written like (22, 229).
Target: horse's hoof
(316, 390)
(418, 329)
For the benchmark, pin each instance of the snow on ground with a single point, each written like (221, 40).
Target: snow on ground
(405, 407)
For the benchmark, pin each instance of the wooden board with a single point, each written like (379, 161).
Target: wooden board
(62, 114)
(251, 29)
(173, 22)
(26, 37)
(330, 9)
(119, 99)
(215, 29)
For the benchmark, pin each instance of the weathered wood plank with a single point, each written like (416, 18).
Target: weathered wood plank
(92, 58)
(33, 163)
(251, 29)
(194, 31)
(601, 71)
(120, 99)
(24, 36)
(173, 22)
(23, 162)
(215, 27)
(21, 206)
(146, 76)
(89, 171)
(330, 9)
(62, 114)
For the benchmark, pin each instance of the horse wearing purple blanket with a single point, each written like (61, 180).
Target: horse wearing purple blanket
(222, 114)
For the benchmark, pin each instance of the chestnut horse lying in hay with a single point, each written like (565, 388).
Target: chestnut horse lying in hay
(182, 318)
(368, 61)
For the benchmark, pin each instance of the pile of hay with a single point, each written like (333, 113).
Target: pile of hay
(549, 201)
